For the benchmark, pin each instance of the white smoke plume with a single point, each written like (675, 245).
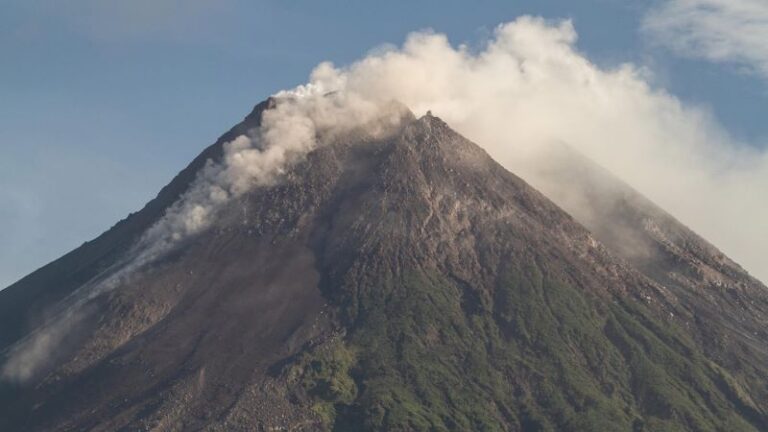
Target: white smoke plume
(526, 88)
(302, 119)
(529, 87)
(35, 352)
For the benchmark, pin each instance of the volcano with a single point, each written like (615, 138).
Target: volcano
(394, 281)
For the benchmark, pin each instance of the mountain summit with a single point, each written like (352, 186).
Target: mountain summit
(399, 280)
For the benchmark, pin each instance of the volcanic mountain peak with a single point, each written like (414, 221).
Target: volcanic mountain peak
(392, 279)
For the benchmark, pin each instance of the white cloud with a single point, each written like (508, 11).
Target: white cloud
(729, 31)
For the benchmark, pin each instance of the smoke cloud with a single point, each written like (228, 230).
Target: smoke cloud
(301, 120)
(526, 88)
(36, 352)
(529, 87)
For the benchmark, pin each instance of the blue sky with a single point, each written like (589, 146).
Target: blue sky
(102, 102)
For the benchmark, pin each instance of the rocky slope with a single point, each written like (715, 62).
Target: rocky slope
(721, 304)
(398, 282)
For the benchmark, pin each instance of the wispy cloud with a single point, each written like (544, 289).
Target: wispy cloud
(723, 31)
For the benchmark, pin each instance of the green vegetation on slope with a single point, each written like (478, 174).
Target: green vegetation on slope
(535, 354)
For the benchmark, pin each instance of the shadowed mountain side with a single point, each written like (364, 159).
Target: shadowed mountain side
(26, 301)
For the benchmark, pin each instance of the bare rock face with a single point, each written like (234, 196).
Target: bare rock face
(398, 282)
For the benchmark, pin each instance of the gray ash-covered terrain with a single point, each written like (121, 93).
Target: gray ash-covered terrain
(399, 281)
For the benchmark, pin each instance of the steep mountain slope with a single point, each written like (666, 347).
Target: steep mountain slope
(24, 302)
(402, 281)
(720, 303)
